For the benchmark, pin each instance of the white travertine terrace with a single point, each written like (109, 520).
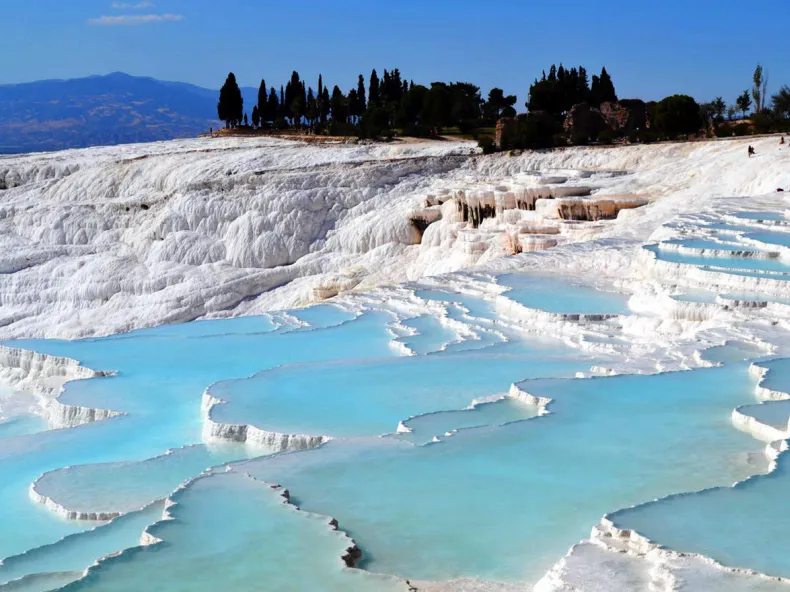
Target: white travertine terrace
(105, 240)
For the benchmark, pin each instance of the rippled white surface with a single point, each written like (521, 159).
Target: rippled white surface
(393, 409)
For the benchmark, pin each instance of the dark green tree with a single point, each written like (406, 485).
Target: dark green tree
(407, 117)
(497, 102)
(319, 100)
(437, 106)
(282, 107)
(231, 105)
(384, 88)
(263, 97)
(560, 90)
(677, 115)
(353, 105)
(374, 122)
(272, 107)
(759, 88)
(295, 98)
(256, 116)
(533, 131)
(325, 105)
(781, 102)
(719, 109)
(743, 102)
(311, 113)
(361, 101)
(374, 92)
(602, 89)
(582, 94)
(466, 107)
(338, 105)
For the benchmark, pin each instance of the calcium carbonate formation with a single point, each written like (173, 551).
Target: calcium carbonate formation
(693, 237)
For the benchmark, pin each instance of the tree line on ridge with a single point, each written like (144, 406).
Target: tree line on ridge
(564, 106)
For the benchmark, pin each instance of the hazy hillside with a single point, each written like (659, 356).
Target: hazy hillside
(100, 110)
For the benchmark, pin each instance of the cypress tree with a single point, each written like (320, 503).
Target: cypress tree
(338, 105)
(263, 97)
(582, 86)
(325, 105)
(608, 93)
(295, 97)
(311, 112)
(353, 104)
(374, 92)
(272, 106)
(231, 104)
(256, 116)
(595, 92)
(361, 102)
(302, 100)
(385, 88)
(396, 93)
(282, 110)
(319, 100)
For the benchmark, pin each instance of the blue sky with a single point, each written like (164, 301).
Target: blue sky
(701, 47)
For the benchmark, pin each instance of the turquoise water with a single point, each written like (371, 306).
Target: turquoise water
(743, 526)
(732, 352)
(708, 245)
(505, 502)
(431, 336)
(22, 425)
(231, 532)
(370, 398)
(773, 413)
(778, 376)
(726, 263)
(323, 316)
(771, 238)
(773, 216)
(494, 491)
(130, 485)
(78, 551)
(557, 296)
(426, 428)
(162, 376)
(476, 306)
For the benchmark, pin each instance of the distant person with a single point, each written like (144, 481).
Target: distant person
(751, 151)
(782, 141)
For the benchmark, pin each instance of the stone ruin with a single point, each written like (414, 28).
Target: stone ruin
(624, 116)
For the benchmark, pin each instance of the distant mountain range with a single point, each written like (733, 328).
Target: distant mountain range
(103, 110)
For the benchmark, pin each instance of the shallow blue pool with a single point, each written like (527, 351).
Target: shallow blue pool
(562, 296)
(495, 492)
(726, 263)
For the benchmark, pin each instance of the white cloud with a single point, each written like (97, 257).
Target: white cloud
(132, 5)
(141, 19)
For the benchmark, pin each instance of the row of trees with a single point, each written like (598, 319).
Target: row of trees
(389, 102)
(378, 105)
(562, 89)
(385, 103)
(757, 97)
